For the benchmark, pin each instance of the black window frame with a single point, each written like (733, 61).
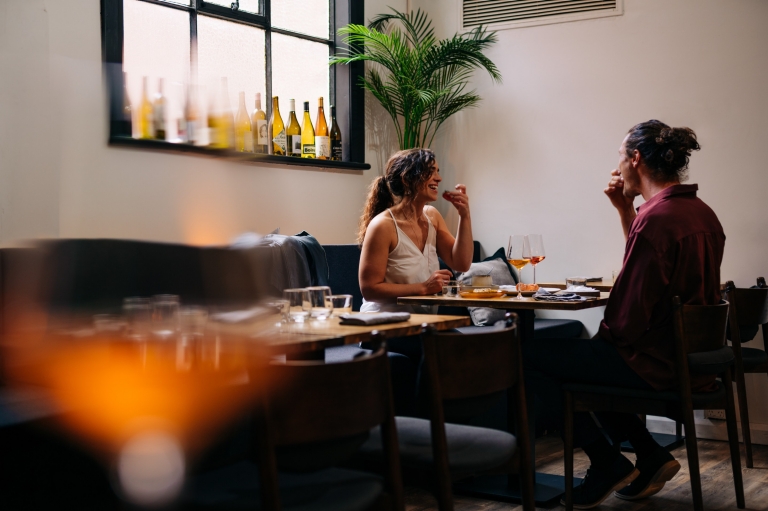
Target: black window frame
(345, 93)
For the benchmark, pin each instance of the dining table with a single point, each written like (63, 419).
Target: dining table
(548, 488)
(600, 285)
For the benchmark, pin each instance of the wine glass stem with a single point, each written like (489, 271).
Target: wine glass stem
(534, 273)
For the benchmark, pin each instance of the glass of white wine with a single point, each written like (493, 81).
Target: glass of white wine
(537, 251)
(518, 255)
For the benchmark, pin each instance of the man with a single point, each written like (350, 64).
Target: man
(674, 246)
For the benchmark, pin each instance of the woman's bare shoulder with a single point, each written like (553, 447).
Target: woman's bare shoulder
(382, 225)
(433, 214)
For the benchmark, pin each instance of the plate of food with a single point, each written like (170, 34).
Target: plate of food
(524, 289)
(475, 292)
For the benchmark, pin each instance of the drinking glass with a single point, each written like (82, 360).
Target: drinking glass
(192, 320)
(519, 255)
(299, 304)
(165, 315)
(319, 298)
(451, 288)
(537, 251)
(342, 304)
(138, 315)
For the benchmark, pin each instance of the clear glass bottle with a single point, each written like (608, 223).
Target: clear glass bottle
(259, 128)
(322, 136)
(159, 110)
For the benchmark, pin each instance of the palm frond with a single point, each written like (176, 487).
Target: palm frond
(417, 79)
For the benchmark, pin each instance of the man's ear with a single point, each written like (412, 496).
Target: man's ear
(636, 158)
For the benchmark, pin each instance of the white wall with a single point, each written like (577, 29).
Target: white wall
(59, 178)
(537, 152)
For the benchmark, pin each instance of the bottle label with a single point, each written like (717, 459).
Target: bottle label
(191, 132)
(322, 147)
(336, 150)
(308, 149)
(280, 140)
(295, 144)
(261, 132)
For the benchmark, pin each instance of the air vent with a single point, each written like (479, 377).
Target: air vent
(500, 14)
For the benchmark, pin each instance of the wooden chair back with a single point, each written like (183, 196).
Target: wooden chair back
(749, 306)
(470, 365)
(312, 401)
(699, 327)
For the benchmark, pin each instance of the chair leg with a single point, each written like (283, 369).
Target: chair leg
(693, 456)
(733, 441)
(568, 451)
(741, 390)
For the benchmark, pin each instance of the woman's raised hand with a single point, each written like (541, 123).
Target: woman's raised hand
(435, 282)
(459, 199)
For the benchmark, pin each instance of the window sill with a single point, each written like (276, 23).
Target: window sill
(161, 145)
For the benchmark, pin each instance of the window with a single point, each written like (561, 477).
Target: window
(272, 47)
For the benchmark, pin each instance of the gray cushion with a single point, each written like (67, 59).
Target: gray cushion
(753, 357)
(710, 362)
(699, 399)
(502, 274)
(470, 449)
(238, 487)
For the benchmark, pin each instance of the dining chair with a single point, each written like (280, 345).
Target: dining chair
(699, 337)
(462, 376)
(749, 308)
(313, 417)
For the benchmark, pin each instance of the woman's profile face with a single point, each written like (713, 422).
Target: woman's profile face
(429, 189)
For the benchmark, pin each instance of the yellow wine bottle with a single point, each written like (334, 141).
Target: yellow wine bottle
(277, 130)
(243, 136)
(322, 137)
(146, 124)
(293, 131)
(307, 135)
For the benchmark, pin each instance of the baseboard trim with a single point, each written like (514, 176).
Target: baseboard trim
(709, 429)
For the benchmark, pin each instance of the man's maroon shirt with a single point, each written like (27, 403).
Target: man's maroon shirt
(674, 248)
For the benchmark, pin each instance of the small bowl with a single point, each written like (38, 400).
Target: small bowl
(482, 281)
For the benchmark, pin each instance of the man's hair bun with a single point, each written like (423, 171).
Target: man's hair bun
(665, 150)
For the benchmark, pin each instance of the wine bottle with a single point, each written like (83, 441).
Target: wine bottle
(293, 131)
(243, 135)
(335, 137)
(227, 119)
(277, 130)
(322, 139)
(307, 135)
(191, 116)
(146, 125)
(126, 123)
(159, 109)
(259, 128)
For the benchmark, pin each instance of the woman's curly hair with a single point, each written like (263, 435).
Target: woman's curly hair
(665, 150)
(404, 175)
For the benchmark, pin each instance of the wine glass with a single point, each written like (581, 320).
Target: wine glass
(518, 255)
(537, 251)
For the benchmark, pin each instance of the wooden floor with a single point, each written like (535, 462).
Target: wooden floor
(716, 480)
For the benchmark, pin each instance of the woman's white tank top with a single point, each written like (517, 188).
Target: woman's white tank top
(407, 264)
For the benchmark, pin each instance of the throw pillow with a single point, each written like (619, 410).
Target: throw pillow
(502, 274)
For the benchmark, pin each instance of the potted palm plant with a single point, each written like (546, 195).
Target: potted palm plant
(419, 80)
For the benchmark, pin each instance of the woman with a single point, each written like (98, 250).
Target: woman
(402, 237)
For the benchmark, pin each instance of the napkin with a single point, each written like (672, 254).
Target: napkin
(559, 297)
(374, 318)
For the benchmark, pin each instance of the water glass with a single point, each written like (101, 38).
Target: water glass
(615, 275)
(319, 297)
(451, 288)
(108, 323)
(298, 304)
(575, 282)
(165, 315)
(342, 304)
(138, 315)
(192, 320)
